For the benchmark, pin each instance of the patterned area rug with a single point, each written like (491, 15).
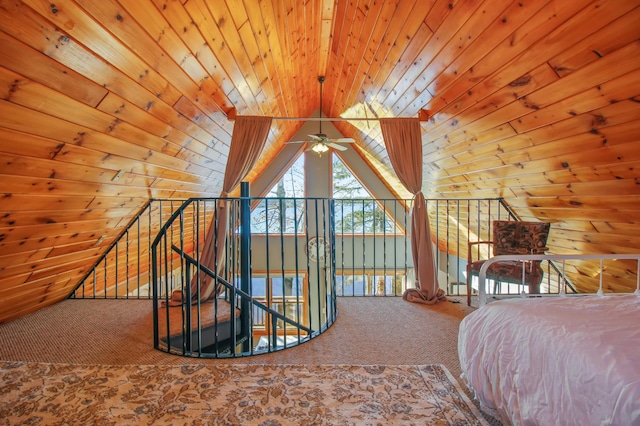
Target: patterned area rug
(232, 394)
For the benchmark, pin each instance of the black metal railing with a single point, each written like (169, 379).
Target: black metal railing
(235, 297)
(273, 290)
(123, 271)
(371, 241)
(280, 265)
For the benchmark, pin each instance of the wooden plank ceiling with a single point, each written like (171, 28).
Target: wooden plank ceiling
(104, 104)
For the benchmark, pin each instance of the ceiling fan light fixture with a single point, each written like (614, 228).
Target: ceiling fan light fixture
(319, 148)
(319, 142)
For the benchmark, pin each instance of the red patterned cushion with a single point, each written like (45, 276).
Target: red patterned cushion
(510, 271)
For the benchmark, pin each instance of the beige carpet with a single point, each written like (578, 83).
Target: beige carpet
(368, 331)
(235, 394)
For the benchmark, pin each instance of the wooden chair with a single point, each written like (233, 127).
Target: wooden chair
(510, 237)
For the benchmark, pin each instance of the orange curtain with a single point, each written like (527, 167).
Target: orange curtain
(403, 140)
(247, 142)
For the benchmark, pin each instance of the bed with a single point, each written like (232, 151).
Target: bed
(564, 360)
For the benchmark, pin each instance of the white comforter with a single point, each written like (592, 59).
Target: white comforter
(555, 361)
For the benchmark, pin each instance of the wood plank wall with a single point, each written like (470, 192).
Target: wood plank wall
(536, 102)
(106, 104)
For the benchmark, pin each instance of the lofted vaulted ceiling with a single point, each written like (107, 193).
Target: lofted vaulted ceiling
(105, 104)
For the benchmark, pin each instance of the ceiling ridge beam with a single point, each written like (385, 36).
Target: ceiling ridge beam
(423, 115)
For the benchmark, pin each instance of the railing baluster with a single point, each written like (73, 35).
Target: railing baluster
(308, 264)
(126, 266)
(282, 265)
(297, 275)
(104, 283)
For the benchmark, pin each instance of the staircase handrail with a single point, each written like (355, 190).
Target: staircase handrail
(163, 229)
(238, 292)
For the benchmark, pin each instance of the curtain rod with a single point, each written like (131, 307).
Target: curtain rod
(423, 115)
(323, 119)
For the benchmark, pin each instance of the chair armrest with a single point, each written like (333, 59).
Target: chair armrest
(471, 243)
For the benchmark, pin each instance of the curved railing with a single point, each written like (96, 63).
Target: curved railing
(253, 310)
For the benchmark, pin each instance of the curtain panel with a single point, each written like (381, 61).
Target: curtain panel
(403, 140)
(247, 142)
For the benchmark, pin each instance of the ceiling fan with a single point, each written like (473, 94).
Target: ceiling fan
(320, 142)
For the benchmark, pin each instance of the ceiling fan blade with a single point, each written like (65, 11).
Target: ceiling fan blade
(316, 137)
(343, 140)
(296, 141)
(336, 146)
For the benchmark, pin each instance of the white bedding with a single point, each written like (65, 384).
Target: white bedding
(555, 361)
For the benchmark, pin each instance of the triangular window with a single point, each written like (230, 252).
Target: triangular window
(355, 207)
(282, 209)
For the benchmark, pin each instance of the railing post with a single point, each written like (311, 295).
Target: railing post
(155, 294)
(187, 329)
(245, 263)
(332, 259)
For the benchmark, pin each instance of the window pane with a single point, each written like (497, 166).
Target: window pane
(383, 284)
(361, 215)
(275, 216)
(291, 185)
(291, 286)
(259, 287)
(351, 285)
(283, 208)
(345, 184)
